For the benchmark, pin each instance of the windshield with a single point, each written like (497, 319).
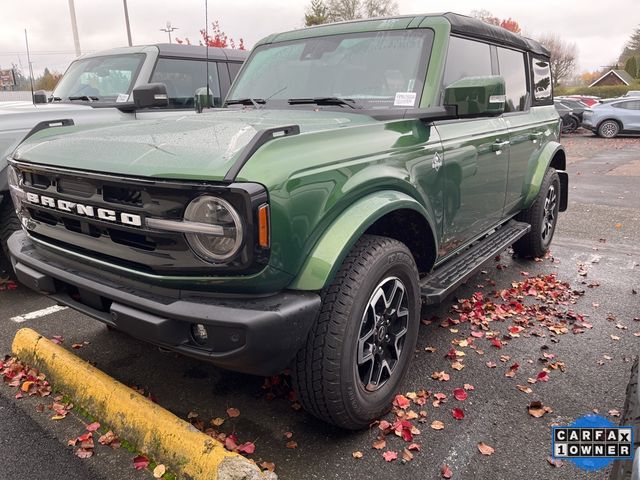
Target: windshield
(108, 78)
(374, 69)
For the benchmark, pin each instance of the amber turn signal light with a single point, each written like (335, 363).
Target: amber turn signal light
(263, 226)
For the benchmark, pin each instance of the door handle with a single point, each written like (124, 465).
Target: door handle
(536, 136)
(498, 145)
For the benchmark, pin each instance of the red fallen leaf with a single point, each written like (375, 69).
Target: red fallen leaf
(477, 334)
(414, 446)
(390, 456)
(496, 343)
(442, 376)
(491, 364)
(460, 394)
(233, 412)
(468, 386)
(268, 466)
(92, 427)
(57, 339)
(401, 402)
(379, 444)
(439, 396)
(83, 453)
(512, 370)
(18, 395)
(85, 437)
(485, 449)
(384, 425)
(554, 463)
(457, 413)
(110, 439)
(451, 354)
(247, 448)
(140, 462)
(292, 444)
(543, 376)
(87, 444)
(230, 443)
(445, 471)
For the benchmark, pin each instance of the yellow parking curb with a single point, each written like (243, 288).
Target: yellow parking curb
(152, 429)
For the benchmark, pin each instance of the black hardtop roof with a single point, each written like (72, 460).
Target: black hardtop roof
(460, 25)
(473, 27)
(199, 51)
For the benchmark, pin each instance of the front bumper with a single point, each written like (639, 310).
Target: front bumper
(257, 335)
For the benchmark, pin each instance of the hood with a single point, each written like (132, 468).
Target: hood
(197, 147)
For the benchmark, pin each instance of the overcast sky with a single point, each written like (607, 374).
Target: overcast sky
(599, 29)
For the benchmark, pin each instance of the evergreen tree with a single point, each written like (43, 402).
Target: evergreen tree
(631, 67)
(317, 13)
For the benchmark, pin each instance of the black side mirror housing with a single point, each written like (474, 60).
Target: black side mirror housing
(39, 96)
(151, 95)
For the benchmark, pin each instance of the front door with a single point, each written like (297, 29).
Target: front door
(476, 157)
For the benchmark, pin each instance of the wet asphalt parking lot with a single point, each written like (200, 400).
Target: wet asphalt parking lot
(596, 250)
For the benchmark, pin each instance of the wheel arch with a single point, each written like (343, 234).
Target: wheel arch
(552, 155)
(388, 213)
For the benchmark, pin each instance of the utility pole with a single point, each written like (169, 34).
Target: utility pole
(169, 29)
(126, 21)
(74, 27)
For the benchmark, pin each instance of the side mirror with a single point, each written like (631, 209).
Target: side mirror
(39, 96)
(151, 95)
(476, 96)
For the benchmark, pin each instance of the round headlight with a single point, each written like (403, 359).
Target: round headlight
(217, 246)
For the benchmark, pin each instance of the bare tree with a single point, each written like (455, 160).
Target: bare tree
(341, 10)
(379, 8)
(563, 56)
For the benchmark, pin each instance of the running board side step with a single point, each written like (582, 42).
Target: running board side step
(440, 283)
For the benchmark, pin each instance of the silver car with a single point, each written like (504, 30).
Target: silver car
(614, 117)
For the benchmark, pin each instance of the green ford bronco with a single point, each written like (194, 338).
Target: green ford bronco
(356, 171)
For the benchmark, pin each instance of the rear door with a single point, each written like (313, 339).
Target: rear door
(526, 128)
(629, 113)
(476, 154)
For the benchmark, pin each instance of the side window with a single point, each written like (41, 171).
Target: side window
(631, 105)
(234, 68)
(466, 58)
(512, 69)
(541, 81)
(183, 78)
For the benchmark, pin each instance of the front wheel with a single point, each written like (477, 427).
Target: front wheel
(358, 351)
(542, 215)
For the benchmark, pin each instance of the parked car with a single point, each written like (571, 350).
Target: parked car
(588, 100)
(632, 93)
(570, 122)
(608, 120)
(356, 170)
(103, 87)
(576, 106)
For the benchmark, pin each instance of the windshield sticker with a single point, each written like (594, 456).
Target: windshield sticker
(405, 99)
(122, 97)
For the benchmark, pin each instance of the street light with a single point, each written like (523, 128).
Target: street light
(169, 29)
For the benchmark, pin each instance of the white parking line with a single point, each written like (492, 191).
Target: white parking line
(37, 314)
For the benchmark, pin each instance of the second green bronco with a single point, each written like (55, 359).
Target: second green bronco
(356, 171)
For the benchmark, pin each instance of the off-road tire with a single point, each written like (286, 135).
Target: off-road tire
(622, 470)
(324, 373)
(532, 245)
(9, 223)
(609, 129)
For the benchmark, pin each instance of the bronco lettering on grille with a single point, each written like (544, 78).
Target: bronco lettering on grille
(85, 210)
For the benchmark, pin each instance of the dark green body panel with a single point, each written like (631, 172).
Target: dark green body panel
(344, 171)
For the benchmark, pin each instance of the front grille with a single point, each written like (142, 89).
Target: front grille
(129, 245)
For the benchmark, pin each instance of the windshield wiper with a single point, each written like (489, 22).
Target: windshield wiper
(86, 98)
(256, 102)
(349, 102)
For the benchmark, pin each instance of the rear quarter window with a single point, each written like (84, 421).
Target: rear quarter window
(542, 84)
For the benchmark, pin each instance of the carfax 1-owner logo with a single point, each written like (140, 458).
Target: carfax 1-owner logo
(592, 442)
